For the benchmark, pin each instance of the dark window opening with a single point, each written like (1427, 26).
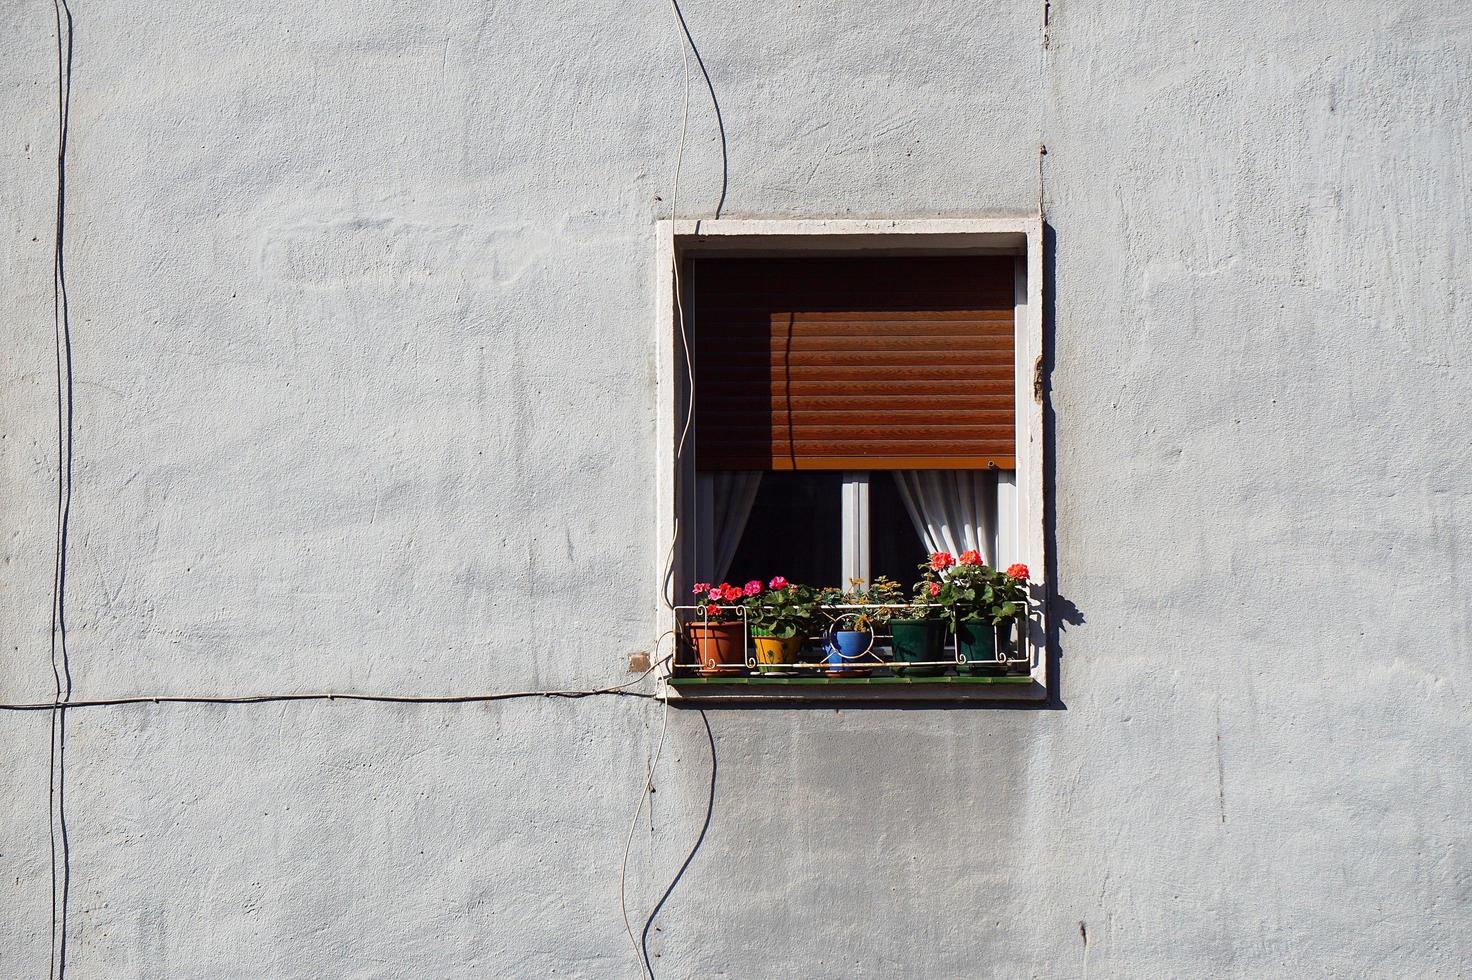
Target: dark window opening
(792, 531)
(895, 549)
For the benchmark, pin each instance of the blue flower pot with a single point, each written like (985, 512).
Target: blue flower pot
(844, 650)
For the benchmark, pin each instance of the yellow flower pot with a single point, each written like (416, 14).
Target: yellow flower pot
(776, 654)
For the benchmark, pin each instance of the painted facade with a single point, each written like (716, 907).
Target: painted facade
(361, 305)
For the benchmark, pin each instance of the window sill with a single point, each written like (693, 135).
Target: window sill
(744, 690)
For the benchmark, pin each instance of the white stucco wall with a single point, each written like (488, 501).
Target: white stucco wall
(361, 300)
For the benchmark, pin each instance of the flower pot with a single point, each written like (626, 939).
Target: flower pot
(776, 654)
(719, 647)
(844, 650)
(977, 640)
(918, 640)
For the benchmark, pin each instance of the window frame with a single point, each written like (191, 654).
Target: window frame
(676, 241)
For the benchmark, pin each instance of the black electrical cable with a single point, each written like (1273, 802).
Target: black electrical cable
(60, 660)
(641, 948)
(346, 696)
(710, 809)
(618, 690)
(715, 104)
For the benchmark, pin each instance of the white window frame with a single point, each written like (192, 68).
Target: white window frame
(1020, 537)
(855, 534)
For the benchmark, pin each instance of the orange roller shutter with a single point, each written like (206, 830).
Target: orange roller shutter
(852, 363)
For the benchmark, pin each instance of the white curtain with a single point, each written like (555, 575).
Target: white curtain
(952, 510)
(725, 498)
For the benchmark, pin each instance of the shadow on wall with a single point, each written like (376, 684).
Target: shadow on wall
(1062, 613)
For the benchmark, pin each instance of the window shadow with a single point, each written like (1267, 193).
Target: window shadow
(1061, 611)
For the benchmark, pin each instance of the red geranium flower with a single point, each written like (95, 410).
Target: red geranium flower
(941, 560)
(778, 583)
(970, 557)
(713, 610)
(729, 592)
(1017, 571)
(934, 589)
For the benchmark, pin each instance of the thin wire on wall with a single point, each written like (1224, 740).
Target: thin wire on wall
(687, 45)
(667, 577)
(60, 660)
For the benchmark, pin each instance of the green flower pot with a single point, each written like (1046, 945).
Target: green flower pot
(977, 640)
(919, 640)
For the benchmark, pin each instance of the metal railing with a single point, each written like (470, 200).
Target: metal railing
(868, 660)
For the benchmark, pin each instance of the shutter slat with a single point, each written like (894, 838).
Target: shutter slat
(943, 319)
(852, 402)
(995, 423)
(831, 430)
(877, 447)
(819, 361)
(780, 378)
(867, 461)
(939, 390)
(804, 325)
(852, 363)
(919, 342)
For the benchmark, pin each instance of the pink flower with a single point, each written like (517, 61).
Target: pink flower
(754, 587)
(970, 558)
(777, 583)
(701, 588)
(941, 560)
(934, 589)
(1017, 571)
(715, 593)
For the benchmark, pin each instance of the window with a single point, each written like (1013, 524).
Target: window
(862, 395)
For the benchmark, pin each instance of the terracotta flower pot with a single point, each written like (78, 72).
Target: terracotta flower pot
(719, 647)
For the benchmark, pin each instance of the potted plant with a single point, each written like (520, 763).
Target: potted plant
(982, 599)
(718, 635)
(850, 637)
(781, 618)
(918, 632)
(972, 595)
